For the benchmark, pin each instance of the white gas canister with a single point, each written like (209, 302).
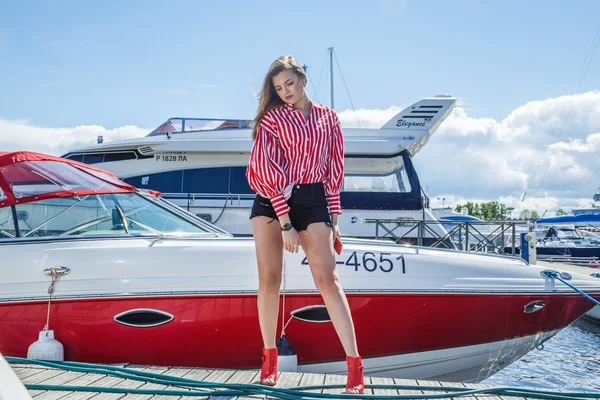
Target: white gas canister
(46, 348)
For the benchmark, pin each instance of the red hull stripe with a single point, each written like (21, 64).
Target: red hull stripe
(223, 331)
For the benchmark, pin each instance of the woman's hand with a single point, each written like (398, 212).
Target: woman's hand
(290, 240)
(336, 231)
(335, 226)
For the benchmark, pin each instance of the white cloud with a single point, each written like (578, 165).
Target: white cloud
(467, 159)
(592, 143)
(367, 118)
(546, 149)
(21, 135)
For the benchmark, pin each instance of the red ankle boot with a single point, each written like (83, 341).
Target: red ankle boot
(268, 373)
(356, 377)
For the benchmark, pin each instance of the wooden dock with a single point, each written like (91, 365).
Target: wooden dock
(35, 374)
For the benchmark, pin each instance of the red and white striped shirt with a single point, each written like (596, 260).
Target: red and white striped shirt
(290, 150)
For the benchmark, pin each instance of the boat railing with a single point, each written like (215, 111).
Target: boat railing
(498, 237)
(593, 262)
(178, 125)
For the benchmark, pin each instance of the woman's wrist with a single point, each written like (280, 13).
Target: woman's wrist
(285, 219)
(334, 219)
(286, 227)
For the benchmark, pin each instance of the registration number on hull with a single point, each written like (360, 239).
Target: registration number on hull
(171, 157)
(371, 262)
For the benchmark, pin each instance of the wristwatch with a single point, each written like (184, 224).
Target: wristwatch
(286, 227)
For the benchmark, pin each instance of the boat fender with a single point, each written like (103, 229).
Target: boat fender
(287, 360)
(46, 348)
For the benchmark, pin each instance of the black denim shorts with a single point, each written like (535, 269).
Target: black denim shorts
(307, 203)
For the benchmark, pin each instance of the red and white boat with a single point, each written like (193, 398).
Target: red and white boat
(149, 283)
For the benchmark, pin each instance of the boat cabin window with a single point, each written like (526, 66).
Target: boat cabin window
(567, 234)
(94, 158)
(98, 215)
(396, 182)
(218, 180)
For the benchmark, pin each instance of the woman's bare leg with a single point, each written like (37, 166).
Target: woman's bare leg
(269, 253)
(317, 242)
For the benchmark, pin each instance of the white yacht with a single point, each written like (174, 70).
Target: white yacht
(200, 165)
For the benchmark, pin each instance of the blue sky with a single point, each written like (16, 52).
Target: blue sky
(67, 63)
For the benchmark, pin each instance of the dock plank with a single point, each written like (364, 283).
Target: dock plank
(459, 385)
(238, 376)
(335, 380)
(284, 380)
(121, 383)
(220, 376)
(24, 373)
(383, 381)
(53, 376)
(42, 376)
(153, 370)
(197, 374)
(84, 379)
(183, 372)
(483, 396)
(431, 383)
(309, 379)
(407, 382)
(51, 395)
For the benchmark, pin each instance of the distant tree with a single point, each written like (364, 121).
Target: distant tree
(534, 214)
(477, 211)
(494, 210)
(560, 211)
(524, 214)
(469, 206)
(489, 210)
(485, 210)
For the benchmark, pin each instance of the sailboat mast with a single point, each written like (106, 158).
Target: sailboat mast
(331, 72)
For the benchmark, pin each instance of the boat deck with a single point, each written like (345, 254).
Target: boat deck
(35, 374)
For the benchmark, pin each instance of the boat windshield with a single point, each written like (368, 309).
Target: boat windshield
(99, 214)
(396, 182)
(183, 125)
(590, 235)
(567, 234)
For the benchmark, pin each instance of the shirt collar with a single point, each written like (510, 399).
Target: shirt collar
(290, 107)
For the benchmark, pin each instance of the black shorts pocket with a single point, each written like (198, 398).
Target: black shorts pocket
(262, 207)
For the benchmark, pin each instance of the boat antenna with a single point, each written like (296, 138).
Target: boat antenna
(310, 79)
(345, 86)
(331, 74)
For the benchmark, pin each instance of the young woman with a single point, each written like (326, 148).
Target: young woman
(297, 170)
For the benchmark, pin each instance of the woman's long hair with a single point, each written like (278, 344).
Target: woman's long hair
(269, 99)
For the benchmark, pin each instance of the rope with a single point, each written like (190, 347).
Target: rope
(283, 301)
(292, 393)
(555, 275)
(222, 211)
(55, 275)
